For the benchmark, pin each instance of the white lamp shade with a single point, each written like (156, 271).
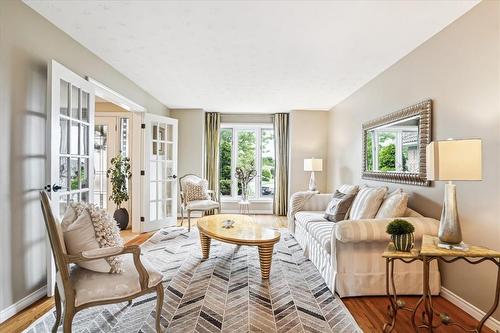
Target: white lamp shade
(454, 160)
(313, 164)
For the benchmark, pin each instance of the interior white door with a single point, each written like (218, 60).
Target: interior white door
(159, 208)
(71, 104)
(105, 148)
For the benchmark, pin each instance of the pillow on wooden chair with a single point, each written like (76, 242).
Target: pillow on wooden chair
(196, 190)
(87, 227)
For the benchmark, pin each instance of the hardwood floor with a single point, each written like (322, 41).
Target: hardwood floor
(369, 312)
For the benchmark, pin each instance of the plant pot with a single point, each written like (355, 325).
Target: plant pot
(121, 217)
(404, 242)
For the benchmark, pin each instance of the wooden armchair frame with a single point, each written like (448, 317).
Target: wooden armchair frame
(184, 202)
(64, 286)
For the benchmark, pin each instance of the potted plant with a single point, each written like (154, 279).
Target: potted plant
(245, 175)
(402, 236)
(119, 173)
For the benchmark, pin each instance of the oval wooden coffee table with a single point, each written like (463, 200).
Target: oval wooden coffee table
(244, 232)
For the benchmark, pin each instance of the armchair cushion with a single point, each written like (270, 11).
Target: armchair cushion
(93, 286)
(195, 190)
(202, 205)
(373, 230)
(86, 228)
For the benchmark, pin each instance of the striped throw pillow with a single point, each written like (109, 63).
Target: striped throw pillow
(367, 203)
(338, 207)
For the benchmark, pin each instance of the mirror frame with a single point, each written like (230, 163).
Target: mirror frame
(424, 111)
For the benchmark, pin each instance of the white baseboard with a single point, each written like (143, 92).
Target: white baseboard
(226, 211)
(472, 310)
(22, 304)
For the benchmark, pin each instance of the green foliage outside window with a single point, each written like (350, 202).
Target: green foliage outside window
(226, 144)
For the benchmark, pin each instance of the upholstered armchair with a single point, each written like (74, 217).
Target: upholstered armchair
(78, 288)
(195, 205)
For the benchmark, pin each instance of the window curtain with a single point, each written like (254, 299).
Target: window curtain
(212, 129)
(281, 148)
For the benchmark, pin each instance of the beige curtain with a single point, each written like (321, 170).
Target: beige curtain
(212, 128)
(281, 147)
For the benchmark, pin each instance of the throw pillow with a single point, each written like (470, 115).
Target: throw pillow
(367, 203)
(196, 190)
(394, 205)
(348, 189)
(88, 227)
(338, 207)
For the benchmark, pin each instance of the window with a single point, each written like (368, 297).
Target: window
(246, 146)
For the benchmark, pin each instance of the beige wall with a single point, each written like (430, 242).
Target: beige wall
(27, 43)
(308, 138)
(190, 140)
(459, 69)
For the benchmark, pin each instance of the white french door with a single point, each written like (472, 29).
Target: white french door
(71, 110)
(159, 208)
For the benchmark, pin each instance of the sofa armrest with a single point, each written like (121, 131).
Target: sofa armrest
(301, 201)
(373, 230)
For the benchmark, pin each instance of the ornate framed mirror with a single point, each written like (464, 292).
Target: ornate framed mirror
(394, 145)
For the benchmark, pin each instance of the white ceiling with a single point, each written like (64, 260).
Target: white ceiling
(252, 56)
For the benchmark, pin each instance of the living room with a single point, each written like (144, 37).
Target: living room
(333, 170)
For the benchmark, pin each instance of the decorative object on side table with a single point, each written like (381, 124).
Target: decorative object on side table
(402, 236)
(120, 173)
(429, 252)
(244, 175)
(313, 164)
(447, 161)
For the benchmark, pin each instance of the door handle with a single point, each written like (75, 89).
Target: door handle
(174, 176)
(56, 188)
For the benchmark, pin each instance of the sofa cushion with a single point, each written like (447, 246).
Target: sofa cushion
(394, 205)
(322, 233)
(338, 207)
(367, 203)
(304, 218)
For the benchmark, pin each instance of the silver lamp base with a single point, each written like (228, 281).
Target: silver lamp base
(312, 183)
(449, 228)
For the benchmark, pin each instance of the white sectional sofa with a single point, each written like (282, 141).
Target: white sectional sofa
(349, 253)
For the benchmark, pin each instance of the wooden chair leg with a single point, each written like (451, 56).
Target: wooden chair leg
(57, 300)
(189, 220)
(159, 306)
(69, 313)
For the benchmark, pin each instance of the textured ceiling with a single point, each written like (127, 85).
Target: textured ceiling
(252, 56)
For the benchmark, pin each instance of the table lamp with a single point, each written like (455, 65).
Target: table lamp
(451, 160)
(313, 164)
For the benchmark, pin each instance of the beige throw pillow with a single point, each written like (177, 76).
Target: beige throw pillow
(196, 190)
(86, 227)
(394, 205)
(367, 203)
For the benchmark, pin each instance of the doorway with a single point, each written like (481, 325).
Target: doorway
(81, 143)
(112, 137)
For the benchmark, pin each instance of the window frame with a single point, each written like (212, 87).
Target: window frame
(257, 128)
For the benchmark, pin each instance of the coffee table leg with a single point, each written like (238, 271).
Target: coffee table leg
(266, 257)
(205, 245)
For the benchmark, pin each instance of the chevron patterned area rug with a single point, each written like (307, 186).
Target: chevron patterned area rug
(222, 294)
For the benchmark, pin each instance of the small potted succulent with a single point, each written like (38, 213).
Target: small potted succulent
(402, 236)
(120, 173)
